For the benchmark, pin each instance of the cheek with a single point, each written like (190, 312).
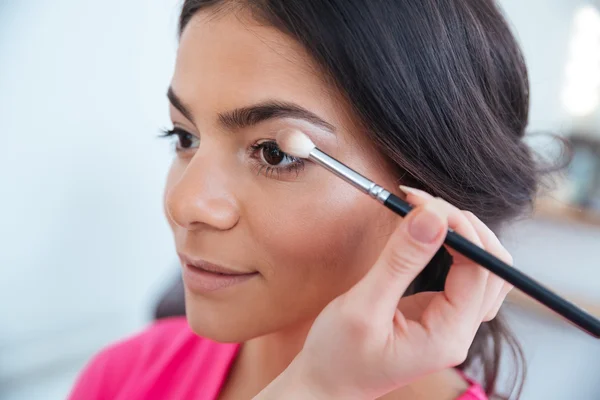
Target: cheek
(323, 237)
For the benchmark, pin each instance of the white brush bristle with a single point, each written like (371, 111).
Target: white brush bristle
(295, 143)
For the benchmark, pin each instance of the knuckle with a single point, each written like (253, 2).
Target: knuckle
(469, 214)
(405, 261)
(490, 316)
(450, 352)
(507, 257)
(492, 313)
(448, 206)
(503, 254)
(461, 214)
(460, 356)
(442, 203)
(453, 346)
(354, 322)
(456, 353)
(357, 326)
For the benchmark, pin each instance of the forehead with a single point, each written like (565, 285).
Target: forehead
(233, 61)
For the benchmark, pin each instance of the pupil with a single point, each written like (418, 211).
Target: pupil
(185, 141)
(273, 155)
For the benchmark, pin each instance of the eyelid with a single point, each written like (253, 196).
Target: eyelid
(180, 133)
(272, 171)
(177, 126)
(315, 132)
(175, 130)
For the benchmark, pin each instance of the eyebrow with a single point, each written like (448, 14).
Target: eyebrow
(178, 104)
(245, 117)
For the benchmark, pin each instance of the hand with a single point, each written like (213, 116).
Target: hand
(371, 340)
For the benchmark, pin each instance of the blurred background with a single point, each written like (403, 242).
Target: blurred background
(85, 253)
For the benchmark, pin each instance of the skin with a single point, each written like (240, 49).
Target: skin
(308, 235)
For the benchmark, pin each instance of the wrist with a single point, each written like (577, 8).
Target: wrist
(301, 381)
(294, 384)
(301, 376)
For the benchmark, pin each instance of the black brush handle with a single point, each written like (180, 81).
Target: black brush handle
(510, 274)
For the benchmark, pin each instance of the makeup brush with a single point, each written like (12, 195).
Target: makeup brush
(297, 144)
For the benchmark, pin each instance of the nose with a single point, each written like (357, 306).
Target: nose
(201, 198)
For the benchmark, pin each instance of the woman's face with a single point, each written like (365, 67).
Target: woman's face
(233, 200)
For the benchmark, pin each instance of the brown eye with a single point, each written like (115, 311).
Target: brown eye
(272, 161)
(183, 140)
(272, 155)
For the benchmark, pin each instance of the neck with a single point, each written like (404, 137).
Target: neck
(262, 359)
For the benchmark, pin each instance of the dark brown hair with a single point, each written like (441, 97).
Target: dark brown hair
(442, 89)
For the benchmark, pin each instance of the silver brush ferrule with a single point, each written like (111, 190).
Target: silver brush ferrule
(349, 175)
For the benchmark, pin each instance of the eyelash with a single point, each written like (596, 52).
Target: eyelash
(270, 171)
(295, 164)
(180, 133)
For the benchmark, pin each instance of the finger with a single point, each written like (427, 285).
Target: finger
(412, 306)
(497, 289)
(418, 197)
(493, 297)
(471, 274)
(409, 249)
(456, 314)
(466, 282)
(491, 244)
(414, 196)
(493, 312)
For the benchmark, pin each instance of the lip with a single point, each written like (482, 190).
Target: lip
(203, 277)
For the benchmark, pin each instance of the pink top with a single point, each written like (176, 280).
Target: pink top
(167, 361)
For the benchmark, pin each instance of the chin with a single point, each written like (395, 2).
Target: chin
(221, 325)
(214, 332)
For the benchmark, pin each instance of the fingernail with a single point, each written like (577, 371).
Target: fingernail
(413, 191)
(425, 227)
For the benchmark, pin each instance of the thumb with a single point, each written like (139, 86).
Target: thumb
(409, 249)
